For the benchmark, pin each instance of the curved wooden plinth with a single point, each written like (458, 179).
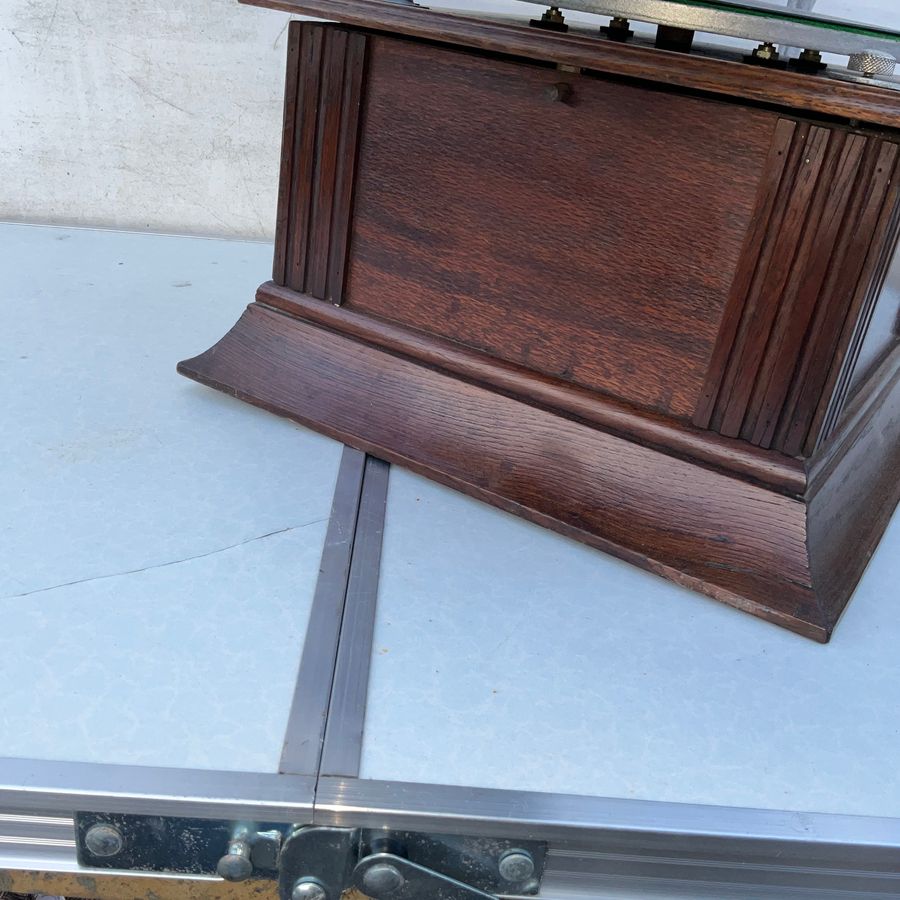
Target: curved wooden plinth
(792, 559)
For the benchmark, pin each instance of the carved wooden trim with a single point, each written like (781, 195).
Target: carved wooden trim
(804, 268)
(287, 156)
(737, 458)
(323, 100)
(837, 394)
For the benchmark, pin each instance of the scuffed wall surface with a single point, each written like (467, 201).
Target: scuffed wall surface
(161, 115)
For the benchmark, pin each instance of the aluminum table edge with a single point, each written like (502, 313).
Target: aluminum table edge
(62, 788)
(573, 819)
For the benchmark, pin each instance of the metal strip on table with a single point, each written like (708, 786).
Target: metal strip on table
(346, 716)
(306, 722)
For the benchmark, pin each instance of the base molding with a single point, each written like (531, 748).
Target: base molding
(780, 472)
(743, 543)
(854, 487)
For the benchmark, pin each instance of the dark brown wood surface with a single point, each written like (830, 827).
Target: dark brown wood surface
(862, 327)
(792, 90)
(882, 327)
(856, 490)
(734, 457)
(738, 542)
(592, 240)
(321, 126)
(871, 223)
(810, 252)
(543, 286)
(285, 180)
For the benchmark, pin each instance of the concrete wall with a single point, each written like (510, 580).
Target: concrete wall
(141, 114)
(161, 114)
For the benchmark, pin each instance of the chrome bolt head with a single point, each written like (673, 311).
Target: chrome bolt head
(381, 879)
(516, 865)
(104, 840)
(308, 889)
(233, 867)
(236, 864)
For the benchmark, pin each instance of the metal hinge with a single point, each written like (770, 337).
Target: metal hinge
(314, 862)
(320, 863)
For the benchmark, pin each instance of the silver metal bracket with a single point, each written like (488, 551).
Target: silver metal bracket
(313, 862)
(320, 863)
(234, 850)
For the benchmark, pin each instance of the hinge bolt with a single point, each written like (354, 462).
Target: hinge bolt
(308, 889)
(552, 19)
(766, 51)
(382, 879)
(104, 840)
(516, 865)
(236, 864)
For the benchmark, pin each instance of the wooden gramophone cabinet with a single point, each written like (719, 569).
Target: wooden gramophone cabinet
(640, 297)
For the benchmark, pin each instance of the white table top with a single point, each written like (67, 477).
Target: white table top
(159, 552)
(505, 656)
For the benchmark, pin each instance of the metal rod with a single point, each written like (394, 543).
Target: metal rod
(306, 721)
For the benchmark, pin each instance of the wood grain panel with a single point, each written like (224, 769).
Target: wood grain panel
(883, 220)
(882, 332)
(318, 158)
(302, 168)
(807, 256)
(803, 290)
(567, 237)
(326, 160)
(859, 275)
(285, 178)
(348, 141)
(857, 489)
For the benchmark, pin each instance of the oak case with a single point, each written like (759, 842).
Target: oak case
(650, 317)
